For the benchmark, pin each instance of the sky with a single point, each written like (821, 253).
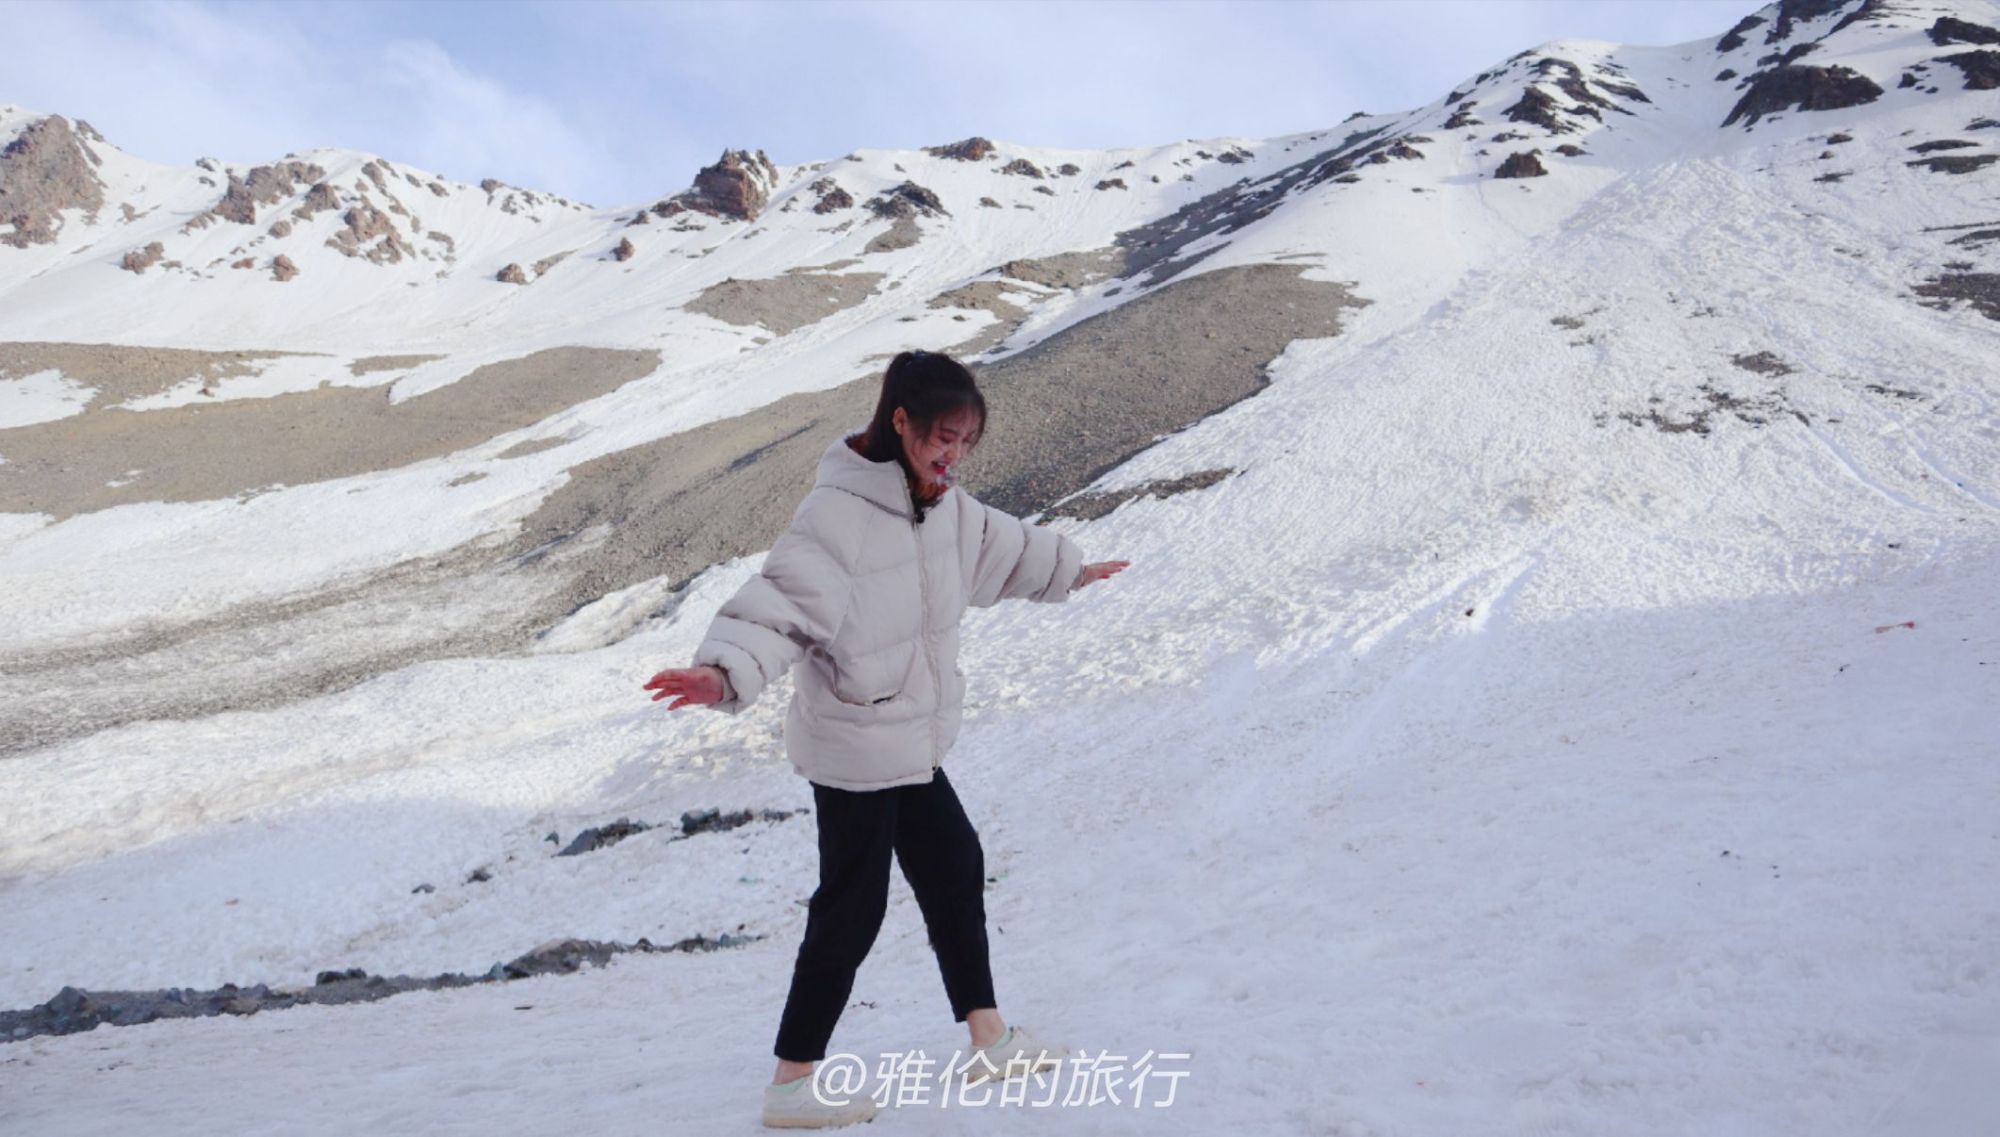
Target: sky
(616, 103)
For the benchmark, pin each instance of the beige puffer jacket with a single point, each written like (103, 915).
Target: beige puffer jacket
(862, 602)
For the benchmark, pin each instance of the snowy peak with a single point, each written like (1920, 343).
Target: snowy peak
(1857, 50)
(107, 239)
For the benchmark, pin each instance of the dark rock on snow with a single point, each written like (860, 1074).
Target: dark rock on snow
(736, 187)
(1982, 68)
(907, 200)
(971, 150)
(1950, 30)
(1733, 38)
(1806, 88)
(139, 260)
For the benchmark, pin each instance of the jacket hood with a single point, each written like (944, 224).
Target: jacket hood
(882, 483)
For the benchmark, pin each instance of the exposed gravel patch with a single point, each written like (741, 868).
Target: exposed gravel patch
(203, 453)
(1067, 270)
(1075, 406)
(901, 235)
(119, 374)
(785, 303)
(1091, 506)
(985, 296)
(373, 363)
(531, 446)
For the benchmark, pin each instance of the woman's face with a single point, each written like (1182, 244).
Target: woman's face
(933, 458)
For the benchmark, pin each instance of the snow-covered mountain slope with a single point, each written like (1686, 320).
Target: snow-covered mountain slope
(1564, 706)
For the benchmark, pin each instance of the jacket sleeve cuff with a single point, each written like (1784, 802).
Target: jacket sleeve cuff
(1069, 566)
(742, 679)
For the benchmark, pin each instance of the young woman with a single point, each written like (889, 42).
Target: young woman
(860, 598)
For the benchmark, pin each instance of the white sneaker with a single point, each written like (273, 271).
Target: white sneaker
(795, 1105)
(1014, 1054)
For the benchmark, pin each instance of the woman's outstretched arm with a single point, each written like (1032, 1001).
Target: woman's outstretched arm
(796, 600)
(1027, 562)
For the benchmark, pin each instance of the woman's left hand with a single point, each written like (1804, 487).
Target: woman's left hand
(1097, 571)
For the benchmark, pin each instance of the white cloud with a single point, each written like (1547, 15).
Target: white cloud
(175, 81)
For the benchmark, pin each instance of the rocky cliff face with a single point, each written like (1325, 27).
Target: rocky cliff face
(46, 169)
(737, 187)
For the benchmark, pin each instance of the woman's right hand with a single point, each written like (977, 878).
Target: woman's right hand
(694, 685)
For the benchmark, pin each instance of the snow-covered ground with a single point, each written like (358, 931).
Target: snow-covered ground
(1482, 758)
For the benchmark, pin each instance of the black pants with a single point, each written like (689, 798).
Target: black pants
(927, 830)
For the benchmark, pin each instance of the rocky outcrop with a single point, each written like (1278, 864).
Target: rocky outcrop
(321, 198)
(1793, 12)
(1111, 183)
(263, 185)
(1950, 30)
(1982, 68)
(1541, 108)
(625, 251)
(1733, 38)
(1069, 169)
(1955, 163)
(907, 200)
(1021, 167)
(371, 234)
(737, 188)
(1788, 56)
(971, 150)
(512, 274)
(139, 260)
(831, 196)
(1806, 88)
(1870, 11)
(282, 268)
(1521, 164)
(45, 170)
(1979, 289)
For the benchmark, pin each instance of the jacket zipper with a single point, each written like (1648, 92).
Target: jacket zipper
(924, 628)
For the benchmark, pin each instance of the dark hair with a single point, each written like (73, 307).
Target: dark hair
(928, 386)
